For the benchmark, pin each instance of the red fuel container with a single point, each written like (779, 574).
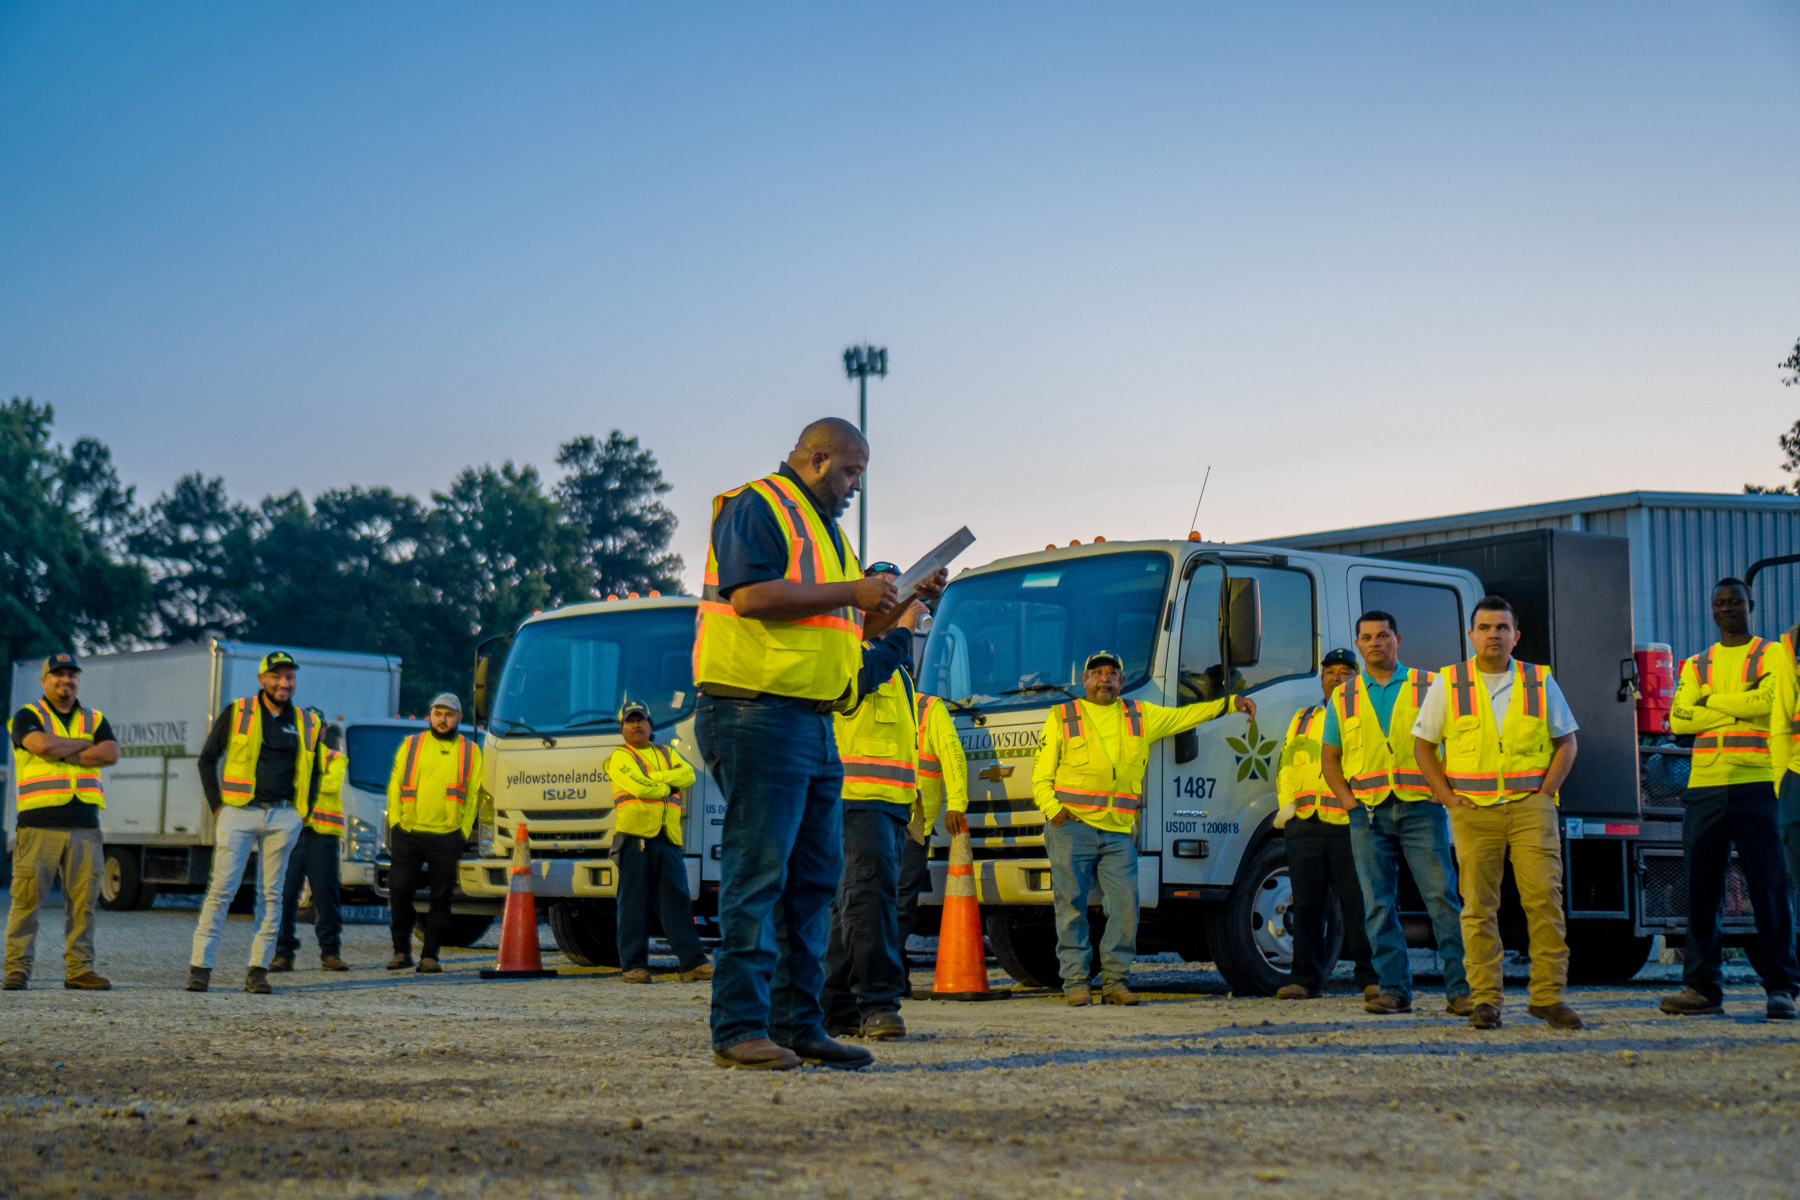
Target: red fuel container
(1656, 685)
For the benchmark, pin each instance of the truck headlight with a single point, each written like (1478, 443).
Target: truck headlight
(364, 840)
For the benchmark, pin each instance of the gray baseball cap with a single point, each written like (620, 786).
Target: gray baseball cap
(447, 700)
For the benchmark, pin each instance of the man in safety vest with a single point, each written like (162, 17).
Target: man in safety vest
(943, 787)
(259, 769)
(433, 794)
(314, 862)
(777, 646)
(1509, 743)
(1369, 765)
(1315, 824)
(647, 783)
(1724, 699)
(1088, 781)
(878, 743)
(58, 750)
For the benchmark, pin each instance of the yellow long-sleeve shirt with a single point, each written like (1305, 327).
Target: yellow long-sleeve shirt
(1106, 724)
(944, 782)
(645, 808)
(1732, 705)
(433, 809)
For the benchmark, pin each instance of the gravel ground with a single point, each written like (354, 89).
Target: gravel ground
(371, 1084)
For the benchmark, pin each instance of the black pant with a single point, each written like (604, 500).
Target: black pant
(915, 878)
(864, 974)
(651, 872)
(1712, 819)
(1320, 863)
(314, 859)
(428, 858)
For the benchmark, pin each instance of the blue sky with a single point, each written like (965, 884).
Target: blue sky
(1370, 262)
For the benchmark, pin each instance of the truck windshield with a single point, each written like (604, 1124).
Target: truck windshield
(573, 673)
(372, 748)
(1034, 626)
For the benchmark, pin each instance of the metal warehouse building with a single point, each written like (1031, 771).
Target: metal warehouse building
(1681, 543)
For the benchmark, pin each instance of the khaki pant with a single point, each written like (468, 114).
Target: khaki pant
(1484, 838)
(37, 858)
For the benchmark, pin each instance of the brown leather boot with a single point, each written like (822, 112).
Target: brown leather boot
(15, 981)
(1078, 998)
(332, 962)
(199, 979)
(1559, 1015)
(636, 975)
(703, 971)
(256, 982)
(399, 962)
(1485, 1016)
(1387, 1004)
(758, 1054)
(1460, 1006)
(88, 981)
(1119, 994)
(429, 966)
(1295, 991)
(280, 963)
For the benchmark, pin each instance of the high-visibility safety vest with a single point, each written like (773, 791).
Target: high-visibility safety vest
(943, 767)
(1484, 765)
(327, 815)
(813, 659)
(405, 808)
(1300, 780)
(879, 745)
(1376, 763)
(1737, 751)
(1090, 783)
(49, 782)
(659, 774)
(237, 776)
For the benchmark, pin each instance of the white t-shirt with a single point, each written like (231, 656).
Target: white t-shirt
(1430, 724)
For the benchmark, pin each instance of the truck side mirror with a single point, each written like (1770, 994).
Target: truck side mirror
(1241, 625)
(478, 688)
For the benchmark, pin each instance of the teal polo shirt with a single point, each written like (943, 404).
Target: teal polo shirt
(1381, 695)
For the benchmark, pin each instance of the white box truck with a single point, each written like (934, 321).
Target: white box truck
(161, 704)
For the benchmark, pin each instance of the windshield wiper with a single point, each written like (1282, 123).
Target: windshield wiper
(521, 726)
(1030, 688)
(590, 721)
(964, 707)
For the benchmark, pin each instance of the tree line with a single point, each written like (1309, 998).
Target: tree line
(83, 565)
(1790, 441)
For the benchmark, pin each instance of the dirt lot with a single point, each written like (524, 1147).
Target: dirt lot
(372, 1084)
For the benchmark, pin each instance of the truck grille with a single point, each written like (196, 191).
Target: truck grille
(1666, 892)
(562, 814)
(1022, 804)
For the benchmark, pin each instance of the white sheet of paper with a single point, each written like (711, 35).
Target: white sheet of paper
(941, 556)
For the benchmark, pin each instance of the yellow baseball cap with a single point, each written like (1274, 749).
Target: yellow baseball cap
(276, 658)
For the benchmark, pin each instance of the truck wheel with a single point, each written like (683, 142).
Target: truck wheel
(1024, 942)
(1252, 946)
(466, 929)
(1605, 952)
(588, 935)
(122, 886)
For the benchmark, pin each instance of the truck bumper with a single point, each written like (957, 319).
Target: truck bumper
(574, 878)
(999, 881)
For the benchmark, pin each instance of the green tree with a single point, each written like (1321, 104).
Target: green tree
(1790, 441)
(61, 515)
(610, 496)
(201, 550)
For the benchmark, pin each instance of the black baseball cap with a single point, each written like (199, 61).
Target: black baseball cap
(1102, 659)
(276, 658)
(1340, 658)
(62, 660)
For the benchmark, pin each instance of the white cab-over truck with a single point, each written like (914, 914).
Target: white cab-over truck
(161, 704)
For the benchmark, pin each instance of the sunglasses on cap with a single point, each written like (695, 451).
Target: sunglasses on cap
(880, 568)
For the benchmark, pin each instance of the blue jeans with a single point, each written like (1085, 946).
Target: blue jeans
(1712, 820)
(314, 859)
(1419, 830)
(864, 971)
(782, 855)
(1079, 854)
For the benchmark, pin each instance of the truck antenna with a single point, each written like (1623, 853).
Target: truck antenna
(1195, 523)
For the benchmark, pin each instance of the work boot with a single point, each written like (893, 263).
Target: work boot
(1371, 991)
(828, 1053)
(88, 981)
(280, 963)
(199, 979)
(757, 1054)
(1460, 1006)
(1781, 1006)
(1485, 1016)
(703, 971)
(256, 982)
(1078, 998)
(15, 981)
(332, 962)
(1295, 991)
(1689, 1003)
(1119, 994)
(400, 961)
(1387, 1004)
(883, 1026)
(1559, 1015)
(636, 975)
(429, 966)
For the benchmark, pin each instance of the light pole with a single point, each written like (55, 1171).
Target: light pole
(860, 362)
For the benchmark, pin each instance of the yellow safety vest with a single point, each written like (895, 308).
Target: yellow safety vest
(48, 782)
(1482, 764)
(1088, 782)
(456, 793)
(638, 816)
(1301, 780)
(327, 815)
(1377, 763)
(813, 659)
(237, 777)
(878, 744)
(1744, 743)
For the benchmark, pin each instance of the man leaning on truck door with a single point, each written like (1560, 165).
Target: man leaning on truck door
(258, 795)
(58, 750)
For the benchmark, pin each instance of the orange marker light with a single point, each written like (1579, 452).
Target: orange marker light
(1098, 540)
(1193, 535)
(1076, 542)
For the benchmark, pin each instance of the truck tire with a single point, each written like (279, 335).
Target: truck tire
(1248, 934)
(587, 934)
(122, 886)
(1605, 952)
(466, 929)
(1024, 942)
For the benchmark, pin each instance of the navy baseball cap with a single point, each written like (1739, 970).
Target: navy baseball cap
(1105, 658)
(276, 658)
(60, 661)
(1340, 658)
(634, 708)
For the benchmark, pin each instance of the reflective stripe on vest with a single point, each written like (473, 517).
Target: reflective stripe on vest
(1074, 726)
(1374, 786)
(1466, 692)
(622, 797)
(930, 766)
(1737, 742)
(409, 778)
(1308, 802)
(45, 782)
(1752, 660)
(239, 785)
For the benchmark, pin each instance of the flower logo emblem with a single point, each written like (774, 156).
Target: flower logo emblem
(1253, 752)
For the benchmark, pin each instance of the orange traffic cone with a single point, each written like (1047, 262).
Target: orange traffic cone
(961, 958)
(519, 958)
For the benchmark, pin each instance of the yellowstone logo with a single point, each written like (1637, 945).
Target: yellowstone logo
(1253, 754)
(983, 744)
